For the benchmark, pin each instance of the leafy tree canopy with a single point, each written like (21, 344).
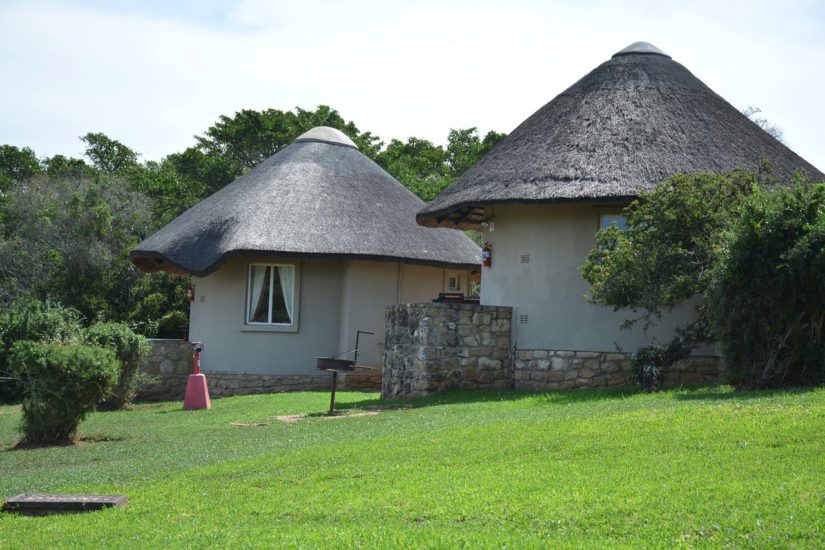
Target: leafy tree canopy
(250, 137)
(16, 165)
(107, 154)
(767, 300)
(664, 256)
(748, 251)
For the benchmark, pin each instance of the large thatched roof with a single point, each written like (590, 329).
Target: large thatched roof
(320, 198)
(624, 127)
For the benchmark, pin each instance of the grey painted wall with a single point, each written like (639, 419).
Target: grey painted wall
(549, 288)
(335, 298)
(217, 318)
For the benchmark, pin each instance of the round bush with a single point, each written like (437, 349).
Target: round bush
(130, 348)
(30, 319)
(61, 383)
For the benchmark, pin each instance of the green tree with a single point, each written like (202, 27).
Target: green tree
(59, 166)
(16, 165)
(767, 300)
(418, 164)
(250, 137)
(464, 148)
(665, 255)
(107, 154)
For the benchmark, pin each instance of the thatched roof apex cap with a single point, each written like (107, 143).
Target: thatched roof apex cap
(325, 134)
(643, 48)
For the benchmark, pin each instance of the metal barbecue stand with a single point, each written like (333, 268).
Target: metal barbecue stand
(335, 365)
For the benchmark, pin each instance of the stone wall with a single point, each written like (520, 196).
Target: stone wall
(170, 363)
(432, 347)
(549, 370)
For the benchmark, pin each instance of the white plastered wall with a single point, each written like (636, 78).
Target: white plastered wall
(334, 299)
(548, 288)
(368, 288)
(217, 318)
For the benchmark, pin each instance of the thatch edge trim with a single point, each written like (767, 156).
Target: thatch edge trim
(429, 218)
(177, 269)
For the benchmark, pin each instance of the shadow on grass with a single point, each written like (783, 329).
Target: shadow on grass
(697, 392)
(453, 397)
(726, 393)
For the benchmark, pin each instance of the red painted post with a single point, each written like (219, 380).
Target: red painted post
(197, 391)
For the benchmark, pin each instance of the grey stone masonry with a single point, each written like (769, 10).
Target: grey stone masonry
(170, 364)
(548, 370)
(432, 347)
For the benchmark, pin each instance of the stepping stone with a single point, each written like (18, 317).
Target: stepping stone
(37, 504)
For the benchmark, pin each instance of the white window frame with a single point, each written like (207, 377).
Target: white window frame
(457, 278)
(296, 300)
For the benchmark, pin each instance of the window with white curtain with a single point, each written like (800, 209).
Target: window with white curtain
(271, 294)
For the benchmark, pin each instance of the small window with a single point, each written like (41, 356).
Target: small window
(453, 283)
(606, 220)
(271, 295)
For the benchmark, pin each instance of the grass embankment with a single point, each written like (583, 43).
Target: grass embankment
(704, 467)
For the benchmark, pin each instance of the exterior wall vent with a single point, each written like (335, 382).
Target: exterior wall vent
(523, 318)
(525, 258)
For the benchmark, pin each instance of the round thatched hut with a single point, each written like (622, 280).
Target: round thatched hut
(290, 259)
(545, 190)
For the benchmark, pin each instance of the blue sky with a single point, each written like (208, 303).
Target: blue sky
(154, 73)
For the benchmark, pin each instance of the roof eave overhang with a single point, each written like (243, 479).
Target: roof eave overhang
(148, 262)
(471, 215)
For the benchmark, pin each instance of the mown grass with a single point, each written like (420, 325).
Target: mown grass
(704, 467)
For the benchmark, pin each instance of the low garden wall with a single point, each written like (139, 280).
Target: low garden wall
(438, 346)
(547, 370)
(170, 364)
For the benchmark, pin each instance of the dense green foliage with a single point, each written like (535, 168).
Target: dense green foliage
(663, 257)
(35, 321)
(67, 224)
(747, 252)
(61, 383)
(130, 348)
(16, 165)
(768, 297)
(649, 364)
(705, 468)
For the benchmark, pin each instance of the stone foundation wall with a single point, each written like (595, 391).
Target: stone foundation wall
(170, 363)
(549, 370)
(437, 346)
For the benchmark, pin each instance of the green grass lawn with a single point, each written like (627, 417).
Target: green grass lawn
(702, 467)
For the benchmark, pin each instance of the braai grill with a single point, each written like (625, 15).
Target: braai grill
(335, 365)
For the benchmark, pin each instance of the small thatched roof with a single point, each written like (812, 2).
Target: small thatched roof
(627, 125)
(318, 198)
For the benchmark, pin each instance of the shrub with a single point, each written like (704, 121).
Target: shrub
(61, 383)
(650, 363)
(130, 348)
(768, 295)
(173, 325)
(30, 319)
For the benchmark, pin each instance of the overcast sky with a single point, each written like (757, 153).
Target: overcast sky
(152, 73)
